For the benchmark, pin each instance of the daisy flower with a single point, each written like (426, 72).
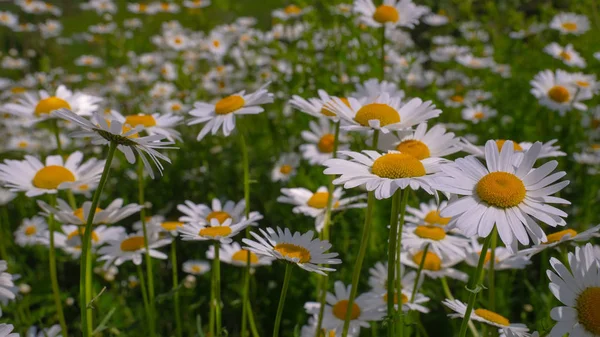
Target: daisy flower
(577, 287)
(567, 54)
(70, 241)
(362, 311)
(6, 330)
(435, 266)
(36, 178)
(423, 143)
(8, 291)
(509, 197)
(127, 139)
(38, 107)
(222, 113)
(321, 141)
(130, 247)
(218, 228)
(112, 214)
(384, 112)
(380, 302)
(383, 173)
(157, 225)
(6, 196)
(556, 91)
(316, 106)
(229, 210)
(478, 113)
(486, 316)
(473, 62)
(547, 150)
(301, 249)
(564, 236)
(153, 124)
(392, 13)
(373, 88)
(315, 204)
(427, 214)
(290, 12)
(440, 242)
(53, 331)
(503, 258)
(379, 273)
(196, 267)
(235, 255)
(31, 231)
(309, 329)
(285, 167)
(570, 23)
(196, 3)
(435, 19)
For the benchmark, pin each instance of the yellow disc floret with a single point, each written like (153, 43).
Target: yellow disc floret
(588, 310)
(47, 105)
(50, 177)
(501, 189)
(492, 317)
(386, 13)
(384, 113)
(229, 104)
(397, 166)
(293, 251)
(415, 148)
(340, 309)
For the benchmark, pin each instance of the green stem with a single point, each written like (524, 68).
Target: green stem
(399, 314)
(4, 233)
(56, 132)
(475, 286)
(491, 273)
(176, 289)
(419, 271)
(391, 291)
(71, 198)
(85, 275)
(53, 275)
(217, 273)
(446, 289)
(359, 260)
(246, 288)
(144, 292)
(286, 283)
(251, 320)
(375, 140)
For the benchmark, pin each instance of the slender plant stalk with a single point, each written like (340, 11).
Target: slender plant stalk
(449, 295)
(4, 233)
(391, 285)
(212, 307)
(359, 260)
(71, 198)
(217, 302)
(176, 290)
(419, 271)
(85, 273)
(284, 289)
(402, 209)
(247, 276)
(491, 273)
(53, 276)
(56, 132)
(144, 291)
(475, 285)
(149, 272)
(252, 322)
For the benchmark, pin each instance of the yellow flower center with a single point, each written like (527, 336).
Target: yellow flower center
(434, 218)
(213, 232)
(488, 257)
(565, 56)
(18, 90)
(430, 232)
(171, 225)
(403, 298)
(340, 309)
(196, 268)
(318, 200)
(478, 115)
(79, 213)
(292, 9)
(22, 144)
(415, 148)
(47, 105)
(76, 232)
(292, 251)
(384, 113)
(325, 111)
(385, 13)
(216, 43)
(285, 169)
(50, 177)
(242, 256)
(559, 94)
(141, 119)
(132, 244)
(588, 310)
(326, 143)
(229, 104)
(30, 230)
(176, 107)
(569, 26)
(457, 98)
(500, 143)
(219, 215)
(492, 317)
(584, 84)
(555, 237)
(398, 165)
(501, 189)
(432, 261)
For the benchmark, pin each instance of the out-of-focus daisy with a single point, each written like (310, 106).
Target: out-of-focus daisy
(435, 19)
(427, 214)
(547, 150)
(561, 237)
(128, 140)
(439, 241)
(235, 255)
(196, 267)
(53, 331)
(478, 113)
(8, 291)
(6, 196)
(196, 3)
(6, 330)
(70, 241)
(383, 173)
(222, 113)
(285, 167)
(423, 143)
(290, 12)
(587, 84)
(112, 214)
(301, 249)
(89, 61)
(391, 13)
(486, 316)
(577, 286)
(373, 88)
(131, 247)
(503, 258)
(556, 91)
(35, 178)
(567, 54)
(218, 228)
(533, 29)
(321, 139)
(570, 23)
(473, 62)
(153, 124)
(31, 231)
(38, 107)
(379, 274)
(380, 302)
(315, 106)
(434, 266)
(202, 213)
(509, 197)
(315, 204)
